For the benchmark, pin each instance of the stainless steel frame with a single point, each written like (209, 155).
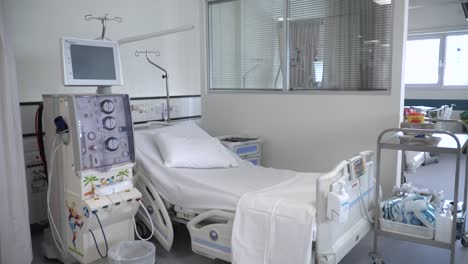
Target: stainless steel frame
(388, 144)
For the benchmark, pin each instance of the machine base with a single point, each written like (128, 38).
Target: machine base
(48, 246)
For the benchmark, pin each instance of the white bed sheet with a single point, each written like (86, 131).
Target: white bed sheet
(276, 225)
(203, 188)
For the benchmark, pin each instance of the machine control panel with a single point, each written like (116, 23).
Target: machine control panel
(104, 130)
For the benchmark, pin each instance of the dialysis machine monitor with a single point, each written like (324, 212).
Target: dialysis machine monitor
(91, 62)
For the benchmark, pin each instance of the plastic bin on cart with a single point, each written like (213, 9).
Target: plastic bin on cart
(132, 252)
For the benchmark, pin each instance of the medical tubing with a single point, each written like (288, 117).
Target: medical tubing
(39, 138)
(151, 221)
(103, 234)
(363, 205)
(53, 227)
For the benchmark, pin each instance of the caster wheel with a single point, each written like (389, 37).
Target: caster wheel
(142, 229)
(464, 241)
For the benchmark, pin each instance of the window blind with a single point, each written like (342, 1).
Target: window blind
(244, 44)
(332, 44)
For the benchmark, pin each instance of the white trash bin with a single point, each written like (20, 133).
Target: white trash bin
(132, 252)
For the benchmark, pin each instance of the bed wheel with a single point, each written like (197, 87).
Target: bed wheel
(376, 259)
(142, 229)
(464, 241)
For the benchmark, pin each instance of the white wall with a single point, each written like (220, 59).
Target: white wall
(436, 16)
(36, 28)
(314, 132)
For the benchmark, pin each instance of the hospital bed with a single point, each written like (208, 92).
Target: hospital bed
(205, 201)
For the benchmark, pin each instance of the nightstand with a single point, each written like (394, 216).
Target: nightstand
(246, 147)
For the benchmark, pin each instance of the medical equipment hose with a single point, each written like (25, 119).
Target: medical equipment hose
(39, 138)
(151, 221)
(53, 227)
(363, 205)
(103, 234)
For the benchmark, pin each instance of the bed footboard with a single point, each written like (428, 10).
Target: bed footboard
(211, 233)
(163, 230)
(336, 238)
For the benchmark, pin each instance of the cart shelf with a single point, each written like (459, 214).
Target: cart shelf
(446, 145)
(450, 143)
(424, 241)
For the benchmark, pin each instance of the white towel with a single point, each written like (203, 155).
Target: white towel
(277, 224)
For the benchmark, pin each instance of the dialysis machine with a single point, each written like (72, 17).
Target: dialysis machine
(90, 154)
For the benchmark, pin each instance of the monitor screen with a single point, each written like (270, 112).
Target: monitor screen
(91, 63)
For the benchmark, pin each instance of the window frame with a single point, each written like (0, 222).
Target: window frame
(286, 83)
(443, 36)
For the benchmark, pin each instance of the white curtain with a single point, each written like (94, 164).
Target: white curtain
(342, 65)
(15, 238)
(304, 48)
(357, 45)
(304, 38)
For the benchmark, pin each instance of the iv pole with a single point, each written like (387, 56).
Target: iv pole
(164, 76)
(154, 35)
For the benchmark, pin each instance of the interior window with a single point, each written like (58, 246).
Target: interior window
(327, 45)
(243, 42)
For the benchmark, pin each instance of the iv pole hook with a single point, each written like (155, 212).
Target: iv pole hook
(103, 20)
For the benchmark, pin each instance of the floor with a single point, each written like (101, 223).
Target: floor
(435, 176)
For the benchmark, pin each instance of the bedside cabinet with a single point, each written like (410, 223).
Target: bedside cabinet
(246, 147)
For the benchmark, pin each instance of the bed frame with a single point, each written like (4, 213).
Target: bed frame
(210, 230)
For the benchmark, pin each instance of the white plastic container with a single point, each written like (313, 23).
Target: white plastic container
(406, 229)
(443, 230)
(132, 252)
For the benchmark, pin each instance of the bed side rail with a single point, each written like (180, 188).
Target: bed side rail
(211, 233)
(163, 230)
(336, 238)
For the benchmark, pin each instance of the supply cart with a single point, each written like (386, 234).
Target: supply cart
(440, 142)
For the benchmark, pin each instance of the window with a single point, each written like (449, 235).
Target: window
(456, 61)
(243, 44)
(422, 61)
(289, 45)
(437, 60)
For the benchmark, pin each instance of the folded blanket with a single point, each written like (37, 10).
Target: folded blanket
(277, 224)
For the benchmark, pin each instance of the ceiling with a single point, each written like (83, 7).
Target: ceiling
(425, 3)
(416, 4)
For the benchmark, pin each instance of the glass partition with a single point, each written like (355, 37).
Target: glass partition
(331, 45)
(243, 41)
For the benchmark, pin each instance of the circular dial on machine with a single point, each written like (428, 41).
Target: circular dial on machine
(112, 144)
(91, 136)
(107, 106)
(109, 123)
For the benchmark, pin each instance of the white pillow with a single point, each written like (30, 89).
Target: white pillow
(188, 146)
(184, 129)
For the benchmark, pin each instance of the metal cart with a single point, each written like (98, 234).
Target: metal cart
(450, 143)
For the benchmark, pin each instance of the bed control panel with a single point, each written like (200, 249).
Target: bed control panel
(246, 147)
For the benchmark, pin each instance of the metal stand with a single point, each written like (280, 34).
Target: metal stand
(164, 76)
(451, 144)
(104, 90)
(103, 20)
